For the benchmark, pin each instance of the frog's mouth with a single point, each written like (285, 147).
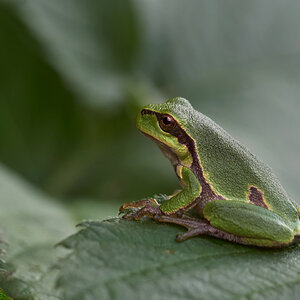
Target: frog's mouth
(166, 150)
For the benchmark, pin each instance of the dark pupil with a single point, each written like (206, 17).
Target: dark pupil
(167, 120)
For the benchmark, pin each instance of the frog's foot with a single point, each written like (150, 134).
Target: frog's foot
(149, 210)
(196, 227)
(191, 233)
(186, 221)
(138, 204)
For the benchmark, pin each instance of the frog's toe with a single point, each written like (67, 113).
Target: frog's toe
(179, 237)
(129, 216)
(183, 236)
(138, 204)
(147, 211)
(191, 233)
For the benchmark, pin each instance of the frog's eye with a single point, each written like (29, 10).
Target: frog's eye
(166, 123)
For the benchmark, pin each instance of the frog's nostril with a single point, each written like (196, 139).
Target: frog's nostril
(147, 112)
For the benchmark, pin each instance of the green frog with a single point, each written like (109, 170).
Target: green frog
(234, 195)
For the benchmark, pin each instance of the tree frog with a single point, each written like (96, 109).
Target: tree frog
(233, 194)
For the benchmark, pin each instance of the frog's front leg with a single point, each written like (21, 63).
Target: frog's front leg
(176, 205)
(148, 210)
(138, 204)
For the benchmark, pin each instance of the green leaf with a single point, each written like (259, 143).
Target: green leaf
(190, 45)
(71, 142)
(31, 224)
(117, 259)
(3, 296)
(4, 269)
(92, 44)
(89, 209)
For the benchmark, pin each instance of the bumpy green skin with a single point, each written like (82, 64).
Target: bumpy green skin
(230, 169)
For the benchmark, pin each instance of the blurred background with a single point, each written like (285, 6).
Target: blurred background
(74, 73)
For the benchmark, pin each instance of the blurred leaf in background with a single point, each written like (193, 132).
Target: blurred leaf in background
(3, 296)
(73, 74)
(31, 224)
(66, 146)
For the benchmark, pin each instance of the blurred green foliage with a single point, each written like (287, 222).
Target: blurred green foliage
(73, 74)
(54, 137)
(31, 224)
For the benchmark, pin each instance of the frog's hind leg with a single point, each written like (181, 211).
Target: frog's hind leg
(255, 225)
(238, 222)
(196, 227)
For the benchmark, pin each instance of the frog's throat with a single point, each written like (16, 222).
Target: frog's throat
(185, 139)
(167, 151)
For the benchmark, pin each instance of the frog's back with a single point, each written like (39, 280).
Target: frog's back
(234, 172)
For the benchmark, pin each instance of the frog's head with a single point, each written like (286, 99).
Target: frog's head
(165, 123)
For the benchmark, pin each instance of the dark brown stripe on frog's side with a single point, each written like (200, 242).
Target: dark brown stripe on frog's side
(256, 197)
(183, 138)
